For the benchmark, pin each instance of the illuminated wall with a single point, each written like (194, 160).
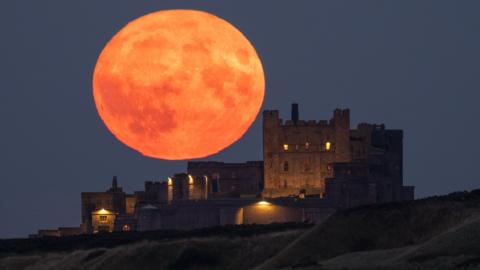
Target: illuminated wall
(103, 221)
(130, 202)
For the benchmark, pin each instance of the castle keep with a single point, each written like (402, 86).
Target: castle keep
(304, 158)
(298, 154)
(309, 170)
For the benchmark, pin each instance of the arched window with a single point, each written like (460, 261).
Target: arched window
(285, 166)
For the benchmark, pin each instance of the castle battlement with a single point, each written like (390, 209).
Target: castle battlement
(340, 117)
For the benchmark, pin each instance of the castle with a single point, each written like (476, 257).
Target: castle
(309, 170)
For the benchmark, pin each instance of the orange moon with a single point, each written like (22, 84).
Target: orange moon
(178, 84)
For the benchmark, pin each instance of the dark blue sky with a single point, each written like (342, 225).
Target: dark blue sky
(413, 65)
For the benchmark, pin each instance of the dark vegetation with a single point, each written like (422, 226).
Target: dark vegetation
(385, 226)
(475, 262)
(192, 257)
(393, 225)
(109, 240)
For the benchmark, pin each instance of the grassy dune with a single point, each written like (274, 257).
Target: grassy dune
(435, 233)
(230, 247)
(199, 253)
(457, 248)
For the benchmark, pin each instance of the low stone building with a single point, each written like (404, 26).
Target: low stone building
(188, 214)
(230, 180)
(60, 232)
(99, 209)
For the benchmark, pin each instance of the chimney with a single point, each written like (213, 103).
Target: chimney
(294, 113)
(114, 183)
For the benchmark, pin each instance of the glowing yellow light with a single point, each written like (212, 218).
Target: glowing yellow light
(285, 147)
(328, 145)
(190, 180)
(263, 203)
(170, 181)
(103, 211)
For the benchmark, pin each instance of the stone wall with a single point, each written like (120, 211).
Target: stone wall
(187, 215)
(229, 179)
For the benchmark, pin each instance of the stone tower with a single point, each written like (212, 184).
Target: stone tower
(298, 154)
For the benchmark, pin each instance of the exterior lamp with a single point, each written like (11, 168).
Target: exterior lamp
(190, 180)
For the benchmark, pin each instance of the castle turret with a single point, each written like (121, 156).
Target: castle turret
(341, 120)
(271, 146)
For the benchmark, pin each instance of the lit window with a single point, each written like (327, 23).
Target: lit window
(307, 145)
(126, 228)
(285, 147)
(103, 218)
(328, 145)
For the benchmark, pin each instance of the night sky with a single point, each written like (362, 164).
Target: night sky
(413, 65)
